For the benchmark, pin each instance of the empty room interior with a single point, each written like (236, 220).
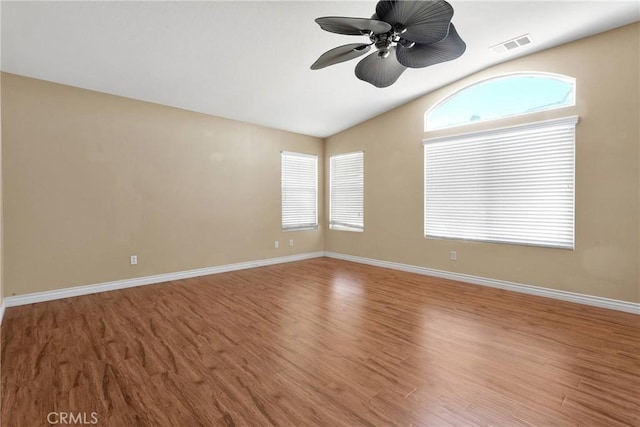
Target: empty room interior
(290, 213)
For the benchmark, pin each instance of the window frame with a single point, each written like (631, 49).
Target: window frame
(335, 225)
(554, 76)
(283, 193)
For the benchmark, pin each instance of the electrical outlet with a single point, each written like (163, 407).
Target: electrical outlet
(134, 259)
(276, 244)
(291, 242)
(454, 256)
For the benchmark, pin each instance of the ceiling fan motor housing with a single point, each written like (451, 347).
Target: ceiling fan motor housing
(383, 41)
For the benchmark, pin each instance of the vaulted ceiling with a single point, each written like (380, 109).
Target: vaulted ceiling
(249, 61)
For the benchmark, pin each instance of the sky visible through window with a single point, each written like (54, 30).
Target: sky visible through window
(502, 97)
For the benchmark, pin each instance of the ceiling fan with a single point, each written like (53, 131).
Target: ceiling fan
(412, 34)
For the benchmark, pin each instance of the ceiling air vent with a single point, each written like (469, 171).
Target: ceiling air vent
(512, 44)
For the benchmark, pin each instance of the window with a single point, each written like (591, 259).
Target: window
(501, 97)
(346, 198)
(299, 191)
(510, 185)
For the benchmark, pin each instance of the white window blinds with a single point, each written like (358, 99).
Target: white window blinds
(299, 191)
(346, 188)
(511, 185)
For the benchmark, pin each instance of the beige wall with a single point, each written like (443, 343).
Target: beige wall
(91, 179)
(607, 255)
(1, 205)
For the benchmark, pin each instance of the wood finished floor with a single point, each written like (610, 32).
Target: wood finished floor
(320, 342)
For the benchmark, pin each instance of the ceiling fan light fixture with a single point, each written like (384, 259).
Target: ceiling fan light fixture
(383, 43)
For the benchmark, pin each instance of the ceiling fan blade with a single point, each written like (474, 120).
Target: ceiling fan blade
(380, 71)
(340, 54)
(352, 26)
(425, 21)
(423, 55)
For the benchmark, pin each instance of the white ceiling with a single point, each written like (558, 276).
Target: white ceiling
(249, 61)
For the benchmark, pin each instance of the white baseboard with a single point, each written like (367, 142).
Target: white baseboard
(17, 300)
(613, 304)
(1, 312)
(609, 303)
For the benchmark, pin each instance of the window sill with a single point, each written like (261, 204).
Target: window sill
(344, 228)
(300, 228)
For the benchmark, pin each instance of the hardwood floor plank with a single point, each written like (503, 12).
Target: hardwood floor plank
(320, 342)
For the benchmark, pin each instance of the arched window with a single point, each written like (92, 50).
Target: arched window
(500, 97)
